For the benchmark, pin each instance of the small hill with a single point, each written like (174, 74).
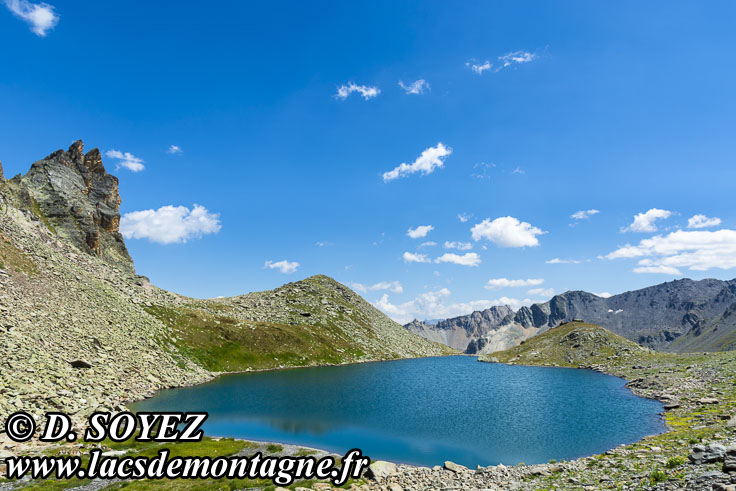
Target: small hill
(315, 321)
(568, 345)
(80, 331)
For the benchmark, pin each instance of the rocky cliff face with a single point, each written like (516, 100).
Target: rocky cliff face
(463, 332)
(72, 193)
(682, 315)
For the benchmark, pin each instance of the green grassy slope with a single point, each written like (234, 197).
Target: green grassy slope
(567, 345)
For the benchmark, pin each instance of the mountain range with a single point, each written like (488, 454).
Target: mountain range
(679, 316)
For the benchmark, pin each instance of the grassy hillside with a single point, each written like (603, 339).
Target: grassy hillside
(568, 345)
(315, 321)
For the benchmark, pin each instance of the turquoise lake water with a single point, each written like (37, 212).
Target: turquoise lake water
(425, 411)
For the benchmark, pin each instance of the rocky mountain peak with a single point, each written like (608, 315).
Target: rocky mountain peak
(75, 197)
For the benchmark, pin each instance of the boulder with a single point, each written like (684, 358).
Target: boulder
(729, 462)
(452, 466)
(731, 422)
(80, 364)
(380, 469)
(708, 400)
(703, 454)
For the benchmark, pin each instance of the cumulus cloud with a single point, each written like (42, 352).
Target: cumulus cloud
(434, 305)
(169, 224)
(174, 149)
(467, 259)
(430, 159)
(644, 222)
(411, 257)
(368, 92)
(702, 221)
(543, 292)
(557, 260)
(420, 231)
(284, 267)
(583, 214)
(429, 305)
(507, 232)
(41, 17)
(416, 87)
(603, 295)
(461, 246)
(392, 286)
(497, 283)
(126, 160)
(695, 250)
(463, 217)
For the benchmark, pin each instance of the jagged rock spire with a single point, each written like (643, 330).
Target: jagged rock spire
(80, 201)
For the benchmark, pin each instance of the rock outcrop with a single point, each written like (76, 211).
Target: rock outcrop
(72, 193)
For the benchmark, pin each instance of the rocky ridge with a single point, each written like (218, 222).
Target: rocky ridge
(678, 316)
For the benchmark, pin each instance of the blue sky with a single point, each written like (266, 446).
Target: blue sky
(288, 119)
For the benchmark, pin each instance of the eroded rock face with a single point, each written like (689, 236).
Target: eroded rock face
(80, 201)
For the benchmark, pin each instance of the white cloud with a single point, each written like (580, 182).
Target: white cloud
(420, 231)
(410, 257)
(479, 67)
(428, 161)
(323, 243)
(583, 214)
(429, 243)
(467, 259)
(169, 224)
(463, 217)
(659, 269)
(174, 149)
(392, 286)
(507, 232)
(557, 260)
(41, 17)
(702, 221)
(432, 305)
(518, 170)
(516, 58)
(127, 160)
(284, 267)
(695, 250)
(460, 246)
(416, 87)
(603, 295)
(497, 283)
(542, 292)
(484, 172)
(644, 222)
(507, 60)
(366, 91)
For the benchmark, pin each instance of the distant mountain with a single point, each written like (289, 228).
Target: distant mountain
(682, 315)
